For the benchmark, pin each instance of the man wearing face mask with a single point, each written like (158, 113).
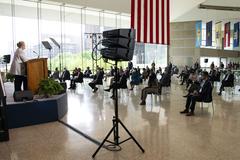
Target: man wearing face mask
(203, 94)
(17, 67)
(228, 81)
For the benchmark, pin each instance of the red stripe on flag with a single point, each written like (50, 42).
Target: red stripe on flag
(139, 28)
(132, 13)
(145, 20)
(168, 22)
(151, 21)
(163, 23)
(157, 21)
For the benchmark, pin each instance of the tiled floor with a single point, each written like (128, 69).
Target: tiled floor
(160, 129)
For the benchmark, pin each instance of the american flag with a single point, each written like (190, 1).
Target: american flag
(151, 19)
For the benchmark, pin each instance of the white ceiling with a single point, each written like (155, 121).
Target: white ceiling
(181, 10)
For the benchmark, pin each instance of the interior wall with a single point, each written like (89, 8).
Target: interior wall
(182, 46)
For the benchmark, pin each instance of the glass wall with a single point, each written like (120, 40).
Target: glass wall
(71, 27)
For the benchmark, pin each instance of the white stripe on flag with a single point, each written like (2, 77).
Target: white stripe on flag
(165, 22)
(154, 21)
(148, 22)
(160, 21)
(136, 17)
(142, 21)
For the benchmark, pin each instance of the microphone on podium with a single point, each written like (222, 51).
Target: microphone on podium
(36, 54)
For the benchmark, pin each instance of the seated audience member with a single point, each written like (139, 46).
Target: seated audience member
(78, 77)
(152, 87)
(169, 68)
(214, 75)
(159, 71)
(127, 72)
(212, 66)
(97, 79)
(110, 73)
(121, 70)
(153, 66)
(121, 83)
(196, 66)
(138, 70)
(148, 71)
(203, 94)
(228, 81)
(87, 73)
(195, 85)
(130, 65)
(55, 74)
(144, 74)
(221, 66)
(65, 75)
(189, 79)
(164, 81)
(135, 78)
(184, 75)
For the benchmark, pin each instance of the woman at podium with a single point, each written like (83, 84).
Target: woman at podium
(18, 67)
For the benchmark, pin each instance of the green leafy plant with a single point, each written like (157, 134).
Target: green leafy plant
(9, 77)
(49, 87)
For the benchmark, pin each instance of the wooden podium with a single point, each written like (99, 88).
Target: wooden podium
(36, 71)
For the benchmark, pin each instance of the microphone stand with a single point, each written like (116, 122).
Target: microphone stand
(59, 56)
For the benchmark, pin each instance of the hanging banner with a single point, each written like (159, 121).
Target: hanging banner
(218, 29)
(198, 42)
(236, 35)
(209, 34)
(227, 34)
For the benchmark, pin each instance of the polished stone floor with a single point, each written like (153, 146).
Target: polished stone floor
(158, 126)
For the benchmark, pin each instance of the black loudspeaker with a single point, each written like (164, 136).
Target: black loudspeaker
(206, 60)
(119, 44)
(121, 33)
(7, 58)
(117, 54)
(20, 96)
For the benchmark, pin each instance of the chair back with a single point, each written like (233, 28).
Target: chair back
(208, 98)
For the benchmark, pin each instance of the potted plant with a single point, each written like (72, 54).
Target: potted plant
(49, 87)
(9, 77)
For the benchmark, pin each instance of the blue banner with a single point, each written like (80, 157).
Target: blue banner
(209, 34)
(198, 42)
(236, 35)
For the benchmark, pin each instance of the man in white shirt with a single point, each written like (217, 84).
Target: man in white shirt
(18, 68)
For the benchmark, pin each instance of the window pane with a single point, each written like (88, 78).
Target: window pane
(26, 25)
(51, 27)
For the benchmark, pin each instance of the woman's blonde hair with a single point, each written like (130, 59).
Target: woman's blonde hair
(20, 44)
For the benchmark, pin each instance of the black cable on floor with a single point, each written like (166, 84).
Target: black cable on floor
(82, 134)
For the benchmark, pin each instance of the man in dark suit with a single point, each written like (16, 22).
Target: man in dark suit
(152, 87)
(164, 81)
(87, 73)
(204, 94)
(77, 78)
(65, 75)
(228, 81)
(97, 79)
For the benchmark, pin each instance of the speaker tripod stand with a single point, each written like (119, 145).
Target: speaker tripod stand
(116, 122)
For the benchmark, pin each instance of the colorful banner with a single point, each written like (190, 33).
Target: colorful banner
(209, 34)
(218, 29)
(227, 34)
(198, 34)
(236, 35)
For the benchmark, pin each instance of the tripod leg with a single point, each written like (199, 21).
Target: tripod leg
(131, 135)
(109, 133)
